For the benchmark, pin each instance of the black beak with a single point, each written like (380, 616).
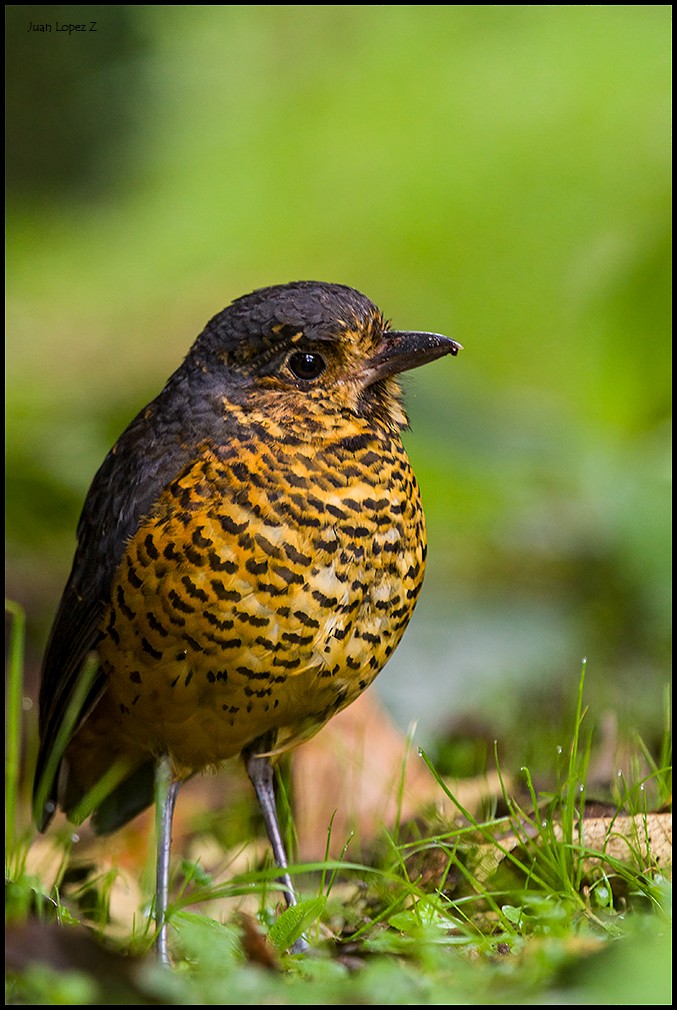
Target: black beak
(400, 351)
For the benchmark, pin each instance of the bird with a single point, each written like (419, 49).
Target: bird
(248, 557)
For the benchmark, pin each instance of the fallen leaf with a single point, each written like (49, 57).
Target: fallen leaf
(359, 774)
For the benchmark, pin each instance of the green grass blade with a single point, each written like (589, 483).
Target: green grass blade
(14, 694)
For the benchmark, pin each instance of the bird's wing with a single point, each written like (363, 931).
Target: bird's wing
(158, 443)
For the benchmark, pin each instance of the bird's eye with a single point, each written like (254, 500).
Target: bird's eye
(305, 365)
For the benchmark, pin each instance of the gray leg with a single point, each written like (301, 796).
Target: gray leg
(166, 789)
(260, 771)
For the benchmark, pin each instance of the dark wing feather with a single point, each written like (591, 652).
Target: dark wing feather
(156, 446)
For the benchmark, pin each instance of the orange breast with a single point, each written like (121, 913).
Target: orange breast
(265, 592)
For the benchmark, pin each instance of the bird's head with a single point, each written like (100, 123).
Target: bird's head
(309, 351)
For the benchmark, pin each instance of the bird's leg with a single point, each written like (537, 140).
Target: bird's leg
(260, 771)
(166, 789)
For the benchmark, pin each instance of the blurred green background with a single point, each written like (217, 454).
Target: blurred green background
(497, 173)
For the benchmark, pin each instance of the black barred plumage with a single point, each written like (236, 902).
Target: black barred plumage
(249, 555)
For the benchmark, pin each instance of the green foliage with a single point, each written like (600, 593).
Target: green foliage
(291, 924)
